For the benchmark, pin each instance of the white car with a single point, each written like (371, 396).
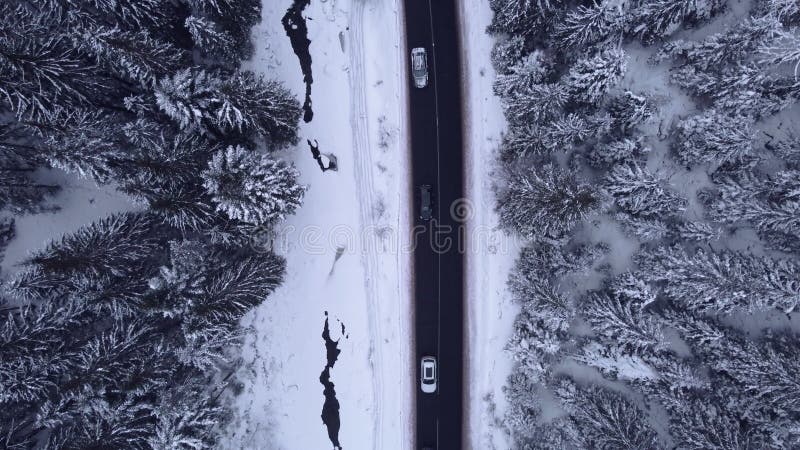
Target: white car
(428, 374)
(419, 67)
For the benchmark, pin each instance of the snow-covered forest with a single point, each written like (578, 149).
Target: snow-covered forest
(123, 333)
(652, 163)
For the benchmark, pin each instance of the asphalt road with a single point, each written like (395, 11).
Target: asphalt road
(437, 160)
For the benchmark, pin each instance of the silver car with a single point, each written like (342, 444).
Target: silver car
(428, 374)
(419, 67)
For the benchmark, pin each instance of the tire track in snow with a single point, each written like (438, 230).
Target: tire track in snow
(365, 186)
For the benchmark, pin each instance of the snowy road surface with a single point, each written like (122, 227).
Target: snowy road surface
(359, 113)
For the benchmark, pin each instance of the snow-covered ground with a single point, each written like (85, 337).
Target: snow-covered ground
(362, 210)
(491, 253)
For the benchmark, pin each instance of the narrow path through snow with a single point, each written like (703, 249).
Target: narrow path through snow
(365, 188)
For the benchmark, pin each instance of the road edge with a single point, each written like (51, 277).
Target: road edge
(406, 222)
(469, 313)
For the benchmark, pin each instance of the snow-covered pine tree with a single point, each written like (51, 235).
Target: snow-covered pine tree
(699, 232)
(591, 78)
(705, 422)
(768, 372)
(606, 154)
(20, 194)
(532, 69)
(186, 418)
(506, 53)
(209, 39)
(187, 98)
(534, 103)
(32, 340)
(40, 74)
(716, 52)
(654, 19)
(197, 100)
(235, 18)
(134, 54)
(788, 11)
(629, 110)
(640, 192)
(519, 17)
(252, 188)
(208, 287)
(605, 419)
(115, 247)
(87, 142)
(713, 137)
(182, 207)
(265, 106)
(542, 327)
(644, 229)
(621, 321)
(770, 204)
(783, 49)
(586, 26)
(524, 409)
(522, 141)
(558, 433)
(631, 287)
(723, 282)
(547, 201)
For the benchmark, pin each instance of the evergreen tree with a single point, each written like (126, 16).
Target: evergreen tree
(519, 16)
(644, 229)
(32, 340)
(713, 137)
(548, 201)
(654, 19)
(211, 40)
(185, 420)
(621, 321)
(204, 288)
(720, 50)
(535, 103)
(507, 53)
(136, 55)
(200, 101)
(39, 75)
(605, 419)
(89, 143)
(629, 110)
(252, 188)
(591, 78)
(639, 192)
(22, 195)
(585, 26)
(114, 247)
(695, 232)
(187, 98)
(723, 282)
(784, 49)
(771, 205)
(606, 154)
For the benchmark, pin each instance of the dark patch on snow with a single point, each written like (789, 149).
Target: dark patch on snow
(322, 157)
(295, 26)
(330, 409)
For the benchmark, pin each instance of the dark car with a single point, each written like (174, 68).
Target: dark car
(426, 203)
